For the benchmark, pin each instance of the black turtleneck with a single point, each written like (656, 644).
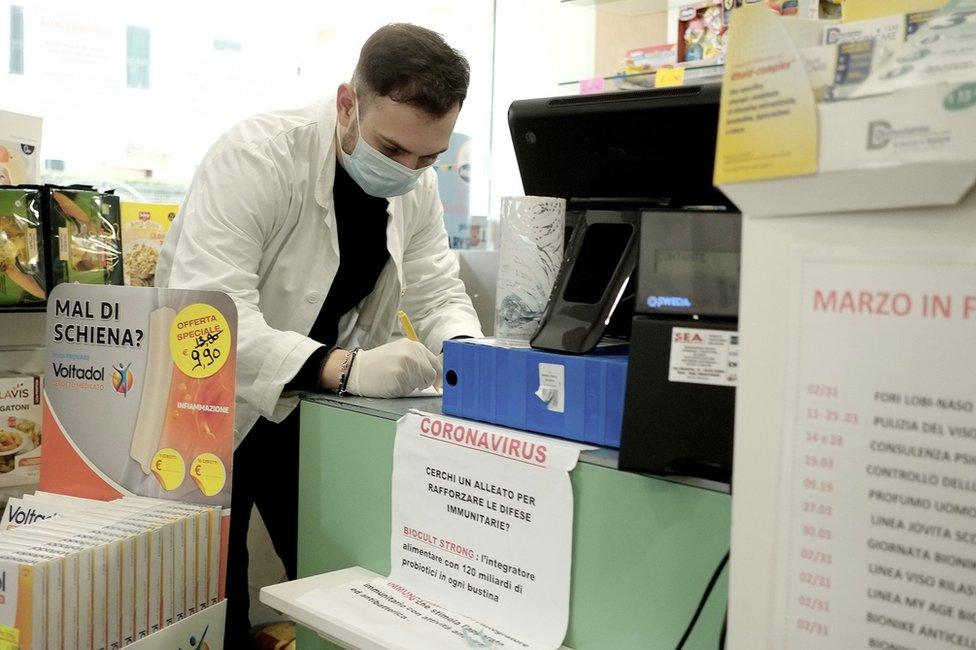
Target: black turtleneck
(361, 222)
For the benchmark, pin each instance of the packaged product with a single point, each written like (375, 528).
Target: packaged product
(830, 9)
(702, 31)
(20, 139)
(648, 59)
(84, 235)
(23, 623)
(144, 228)
(835, 71)
(887, 30)
(22, 280)
(22, 512)
(20, 429)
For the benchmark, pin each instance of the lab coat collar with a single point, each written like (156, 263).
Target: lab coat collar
(394, 233)
(326, 180)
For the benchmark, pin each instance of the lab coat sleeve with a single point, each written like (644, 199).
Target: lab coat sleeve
(434, 295)
(227, 216)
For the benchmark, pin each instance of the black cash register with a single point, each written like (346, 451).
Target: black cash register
(652, 255)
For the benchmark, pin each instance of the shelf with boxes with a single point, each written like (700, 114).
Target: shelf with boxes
(52, 234)
(644, 80)
(634, 39)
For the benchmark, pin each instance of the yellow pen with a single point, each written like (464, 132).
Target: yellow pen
(407, 327)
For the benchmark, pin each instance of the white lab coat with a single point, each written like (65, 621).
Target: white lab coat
(258, 223)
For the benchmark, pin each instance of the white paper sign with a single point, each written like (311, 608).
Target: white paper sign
(405, 620)
(481, 548)
(483, 520)
(704, 356)
(878, 524)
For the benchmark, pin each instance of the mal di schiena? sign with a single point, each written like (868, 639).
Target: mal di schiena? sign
(139, 389)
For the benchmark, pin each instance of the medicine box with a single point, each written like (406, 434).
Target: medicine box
(579, 397)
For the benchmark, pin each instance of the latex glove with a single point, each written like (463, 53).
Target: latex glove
(439, 384)
(393, 370)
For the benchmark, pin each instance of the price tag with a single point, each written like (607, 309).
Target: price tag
(669, 77)
(169, 468)
(591, 86)
(199, 341)
(208, 473)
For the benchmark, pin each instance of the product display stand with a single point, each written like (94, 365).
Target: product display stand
(202, 630)
(284, 597)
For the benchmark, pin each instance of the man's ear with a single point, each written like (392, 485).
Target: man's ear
(345, 104)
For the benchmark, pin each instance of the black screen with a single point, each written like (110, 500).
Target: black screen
(620, 145)
(603, 246)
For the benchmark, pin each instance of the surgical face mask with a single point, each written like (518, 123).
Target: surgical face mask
(377, 174)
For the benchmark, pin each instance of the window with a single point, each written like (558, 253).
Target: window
(16, 39)
(137, 57)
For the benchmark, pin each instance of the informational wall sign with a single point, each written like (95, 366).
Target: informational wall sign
(878, 523)
(482, 540)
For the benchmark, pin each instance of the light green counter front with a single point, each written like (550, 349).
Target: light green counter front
(643, 548)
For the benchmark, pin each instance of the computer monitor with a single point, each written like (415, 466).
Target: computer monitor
(638, 150)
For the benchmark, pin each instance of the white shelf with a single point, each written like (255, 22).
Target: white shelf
(284, 598)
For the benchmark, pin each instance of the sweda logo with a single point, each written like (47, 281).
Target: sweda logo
(657, 302)
(20, 391)
(83, 373)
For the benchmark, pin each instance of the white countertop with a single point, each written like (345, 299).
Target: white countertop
(284, 598)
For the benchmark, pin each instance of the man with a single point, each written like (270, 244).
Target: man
(321, 224)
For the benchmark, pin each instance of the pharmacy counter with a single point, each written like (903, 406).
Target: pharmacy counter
(643, 548)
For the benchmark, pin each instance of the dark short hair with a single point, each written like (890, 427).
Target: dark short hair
(413, 65)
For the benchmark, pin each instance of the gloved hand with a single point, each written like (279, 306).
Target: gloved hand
(439, 384)
(395, 369)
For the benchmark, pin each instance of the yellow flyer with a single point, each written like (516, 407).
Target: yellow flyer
(768, 118)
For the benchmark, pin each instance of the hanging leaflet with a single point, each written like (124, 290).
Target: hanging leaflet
(481, 548)
(878, 519)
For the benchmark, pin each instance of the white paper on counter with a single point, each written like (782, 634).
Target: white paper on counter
(401, 619)
(878, 519)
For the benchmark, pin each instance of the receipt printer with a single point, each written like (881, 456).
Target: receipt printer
(680, 403)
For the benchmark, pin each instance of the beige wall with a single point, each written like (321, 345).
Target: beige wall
(616, 34)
